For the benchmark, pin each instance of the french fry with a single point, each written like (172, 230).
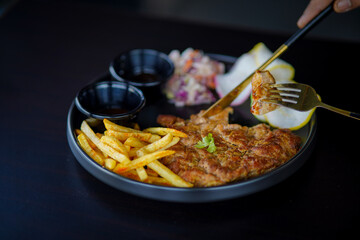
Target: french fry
(174, 141)
(136, 126)
(99, 135)
(168, 174)
(103, 147)
(151, 172)
(163, 131)
(93, 122)
(78, 132)
(123, 136)
(134, 142)
(142, 161)
(130, 174)
(141, 172)
(151, 179)
(158, 181)
(128, 148)
(155, 145)
(132, 152)
(110, 163)
(115, 143)
(153, 138)
(141, 152)
(115, 127)
(92, 145)
(89, 150)
(97, 150)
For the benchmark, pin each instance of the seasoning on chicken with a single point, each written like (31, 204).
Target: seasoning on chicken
(261, 83)
(241, 152)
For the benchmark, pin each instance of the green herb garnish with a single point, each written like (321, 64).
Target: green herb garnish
(207, 141)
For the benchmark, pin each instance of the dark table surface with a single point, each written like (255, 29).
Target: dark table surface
(49, 50)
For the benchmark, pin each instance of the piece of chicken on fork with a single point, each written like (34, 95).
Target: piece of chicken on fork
(261, 85)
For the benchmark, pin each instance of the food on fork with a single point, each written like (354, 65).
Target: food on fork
(240, 152)
(282, 117)
(261, 86)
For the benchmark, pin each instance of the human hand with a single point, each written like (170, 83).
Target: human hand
(316, 6)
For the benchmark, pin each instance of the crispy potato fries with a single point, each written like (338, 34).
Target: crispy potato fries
(133, 153)
(163, 131)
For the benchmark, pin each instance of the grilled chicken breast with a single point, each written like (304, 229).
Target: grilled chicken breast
(241, 152)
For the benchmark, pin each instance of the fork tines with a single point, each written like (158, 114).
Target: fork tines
(283, 93)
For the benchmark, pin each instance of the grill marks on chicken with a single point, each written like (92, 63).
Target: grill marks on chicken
(241, 152)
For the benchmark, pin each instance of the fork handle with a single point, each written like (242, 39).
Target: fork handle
(340, 111)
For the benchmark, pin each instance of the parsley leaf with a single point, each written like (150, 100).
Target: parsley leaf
(212, 147)
(207, 141)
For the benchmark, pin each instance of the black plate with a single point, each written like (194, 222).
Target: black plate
(148, 117)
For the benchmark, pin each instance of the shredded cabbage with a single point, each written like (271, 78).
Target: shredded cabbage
(193, 78)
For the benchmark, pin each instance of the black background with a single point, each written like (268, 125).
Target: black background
(49, 50)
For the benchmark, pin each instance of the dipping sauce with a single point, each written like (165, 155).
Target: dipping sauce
(142, 77)
(145, 77)
(113, 100)
(111, 111)
(143, 68)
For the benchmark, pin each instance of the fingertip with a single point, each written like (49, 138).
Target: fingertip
(301, 22)
(341, 6)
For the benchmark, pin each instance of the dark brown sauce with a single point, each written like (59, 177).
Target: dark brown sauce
(144, 78)
(111, 111)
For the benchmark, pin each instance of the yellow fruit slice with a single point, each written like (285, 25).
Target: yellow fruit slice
(284, 117)
(278, 68)
(256, 48)
(242, 68)
(282, 71)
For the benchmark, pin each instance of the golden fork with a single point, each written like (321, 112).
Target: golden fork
(230, 97)
(301, 97)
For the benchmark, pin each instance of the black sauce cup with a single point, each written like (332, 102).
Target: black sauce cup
(117, 101)
(146, 69)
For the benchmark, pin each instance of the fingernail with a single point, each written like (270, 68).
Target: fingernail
(344, 5)
(300, 22)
